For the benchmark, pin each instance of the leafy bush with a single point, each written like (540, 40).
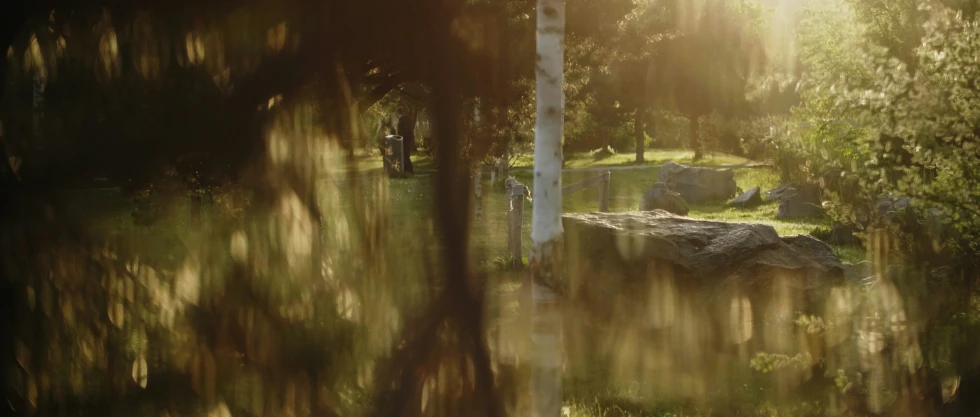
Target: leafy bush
(905, 132)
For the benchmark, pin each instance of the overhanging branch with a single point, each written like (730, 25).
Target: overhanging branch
(377, 93)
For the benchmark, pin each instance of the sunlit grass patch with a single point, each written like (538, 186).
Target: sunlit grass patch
(411, 201)
(651, 157)
(763, 214)
(850, 254)
(764, 178)
(371, 160)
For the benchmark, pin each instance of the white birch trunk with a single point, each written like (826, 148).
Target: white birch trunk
(546, 229)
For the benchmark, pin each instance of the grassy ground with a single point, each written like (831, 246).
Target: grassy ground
(371, 161)
(410, 197)
(651, 157)
(410, 201)
(585, 397)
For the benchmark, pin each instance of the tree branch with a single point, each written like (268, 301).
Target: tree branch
(377, 93)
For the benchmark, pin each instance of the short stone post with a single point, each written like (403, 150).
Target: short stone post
(516, 192)
(604, 196)
(502, 163)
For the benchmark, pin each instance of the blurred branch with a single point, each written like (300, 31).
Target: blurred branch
(377, 93)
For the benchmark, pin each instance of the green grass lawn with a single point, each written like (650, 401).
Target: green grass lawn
(650, 157)
(369, 161)
(409, 197)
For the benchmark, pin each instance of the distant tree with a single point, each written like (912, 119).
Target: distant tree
(633, 69)
(706, 67)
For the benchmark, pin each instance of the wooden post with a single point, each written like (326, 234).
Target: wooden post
(501, 167)
(516, 217)
(478, 193)
(604, 196)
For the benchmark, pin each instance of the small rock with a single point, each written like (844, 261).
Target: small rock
(777, 193)
(750, 198)
(661, 197)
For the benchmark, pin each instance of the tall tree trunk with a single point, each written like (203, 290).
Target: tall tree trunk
(695, 138)
(546, 229)
(638, 134)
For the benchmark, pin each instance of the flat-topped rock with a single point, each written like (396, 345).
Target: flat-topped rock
(705, 249)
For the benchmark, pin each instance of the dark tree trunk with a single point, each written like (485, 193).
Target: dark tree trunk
(638, 134)
(14, 16)
(695, 138)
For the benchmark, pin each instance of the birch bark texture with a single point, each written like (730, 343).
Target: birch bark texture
(546, 229)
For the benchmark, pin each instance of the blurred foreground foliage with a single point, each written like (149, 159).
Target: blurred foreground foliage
(279, 287)
(297, 290)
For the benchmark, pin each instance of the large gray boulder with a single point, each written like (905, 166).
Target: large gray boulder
(698, 185)
(694, 290)
(707, 251)
(647, 267)
(660, 197)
